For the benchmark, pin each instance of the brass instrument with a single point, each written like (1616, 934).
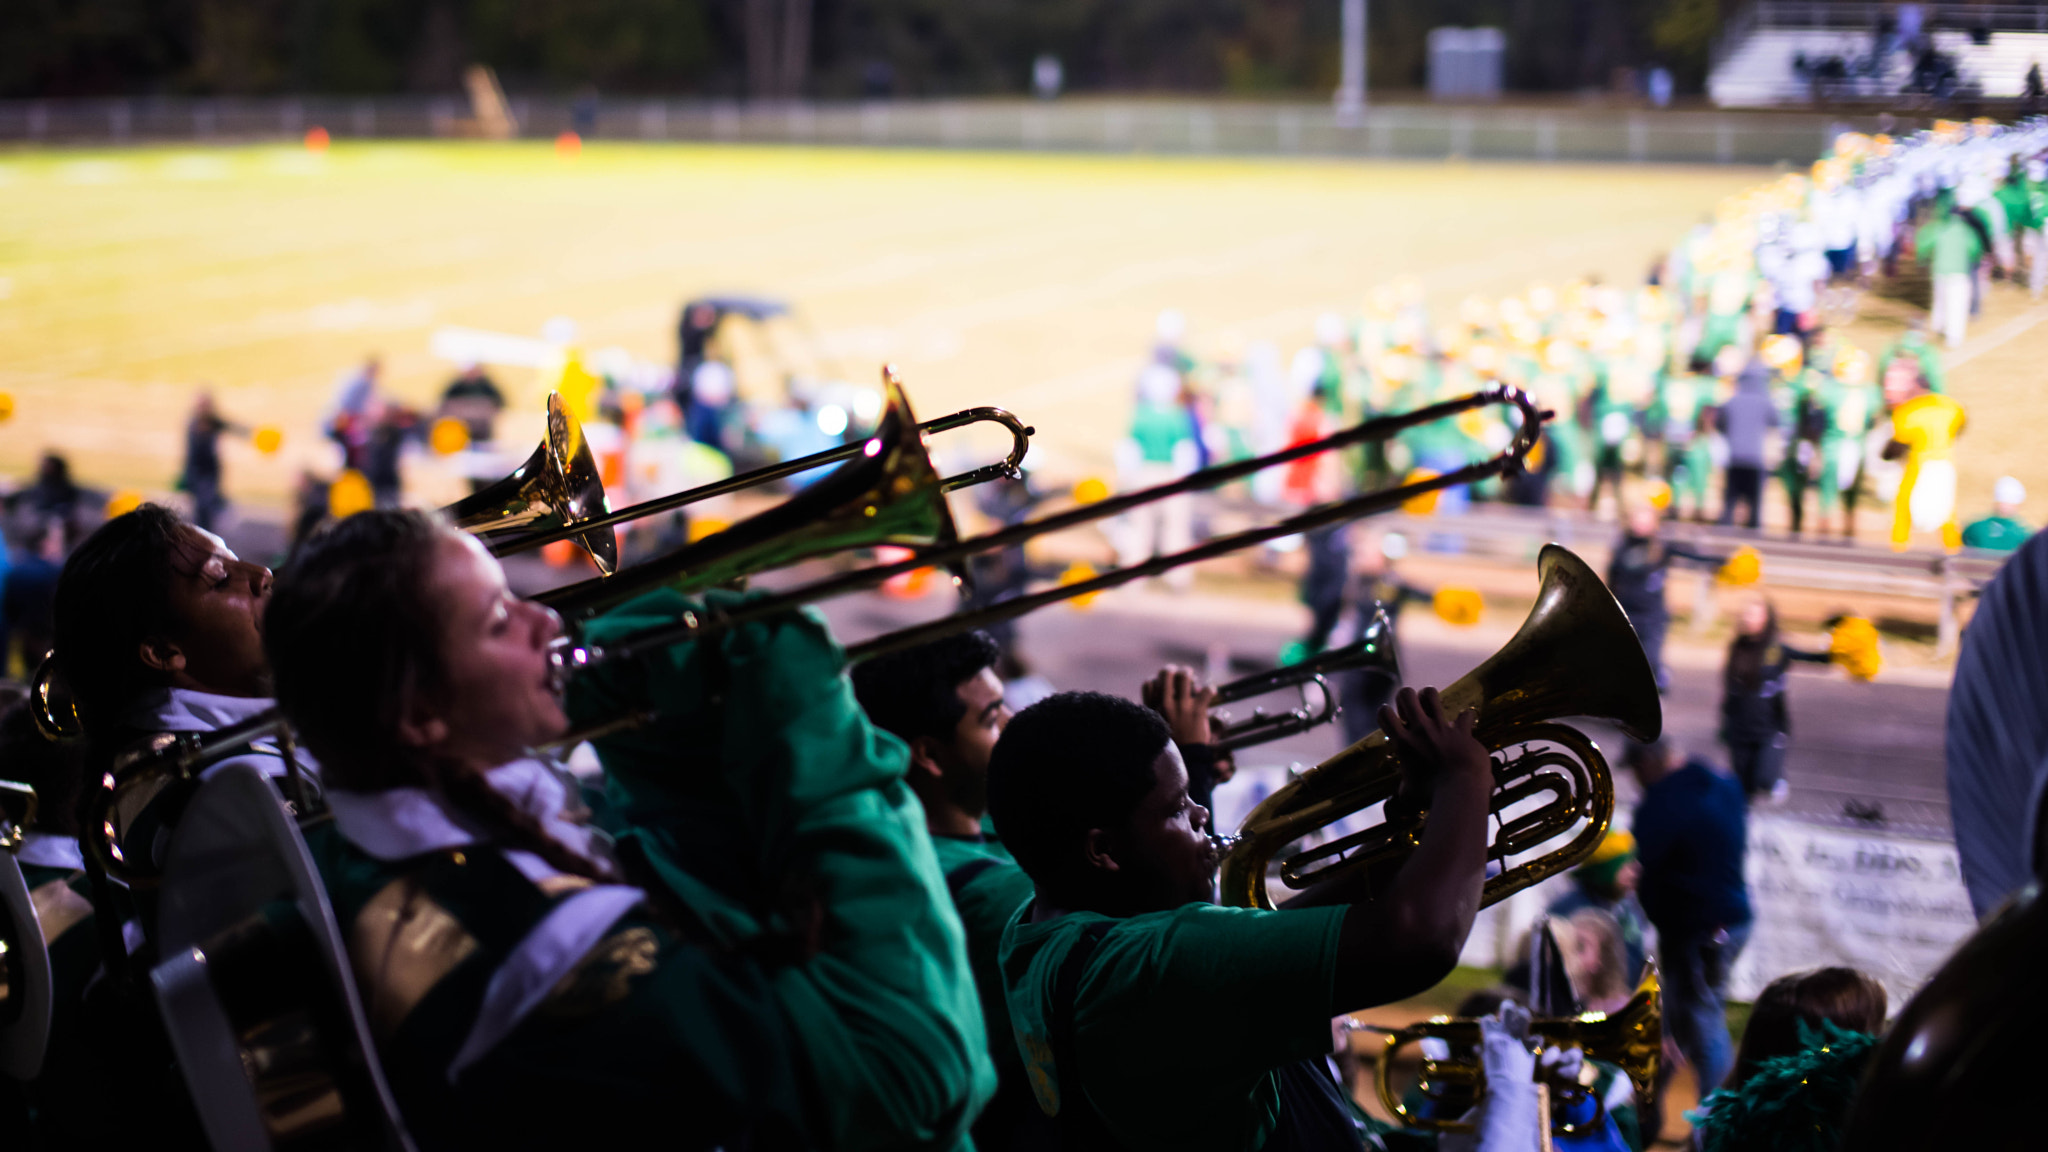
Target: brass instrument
(692, 626)
(1631, 1038)
(1575, 655)
(1372, 653)
(1010, 467)
(889, 494)
(558, 487)
(165, 762)
(50, 703)
(892, 494)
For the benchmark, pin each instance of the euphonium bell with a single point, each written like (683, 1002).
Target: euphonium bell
(557, 486)
(1631, 1039)
(890, 494)
(1576, 655)
(50, 703)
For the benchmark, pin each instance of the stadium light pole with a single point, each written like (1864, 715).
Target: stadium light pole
(1350, 98)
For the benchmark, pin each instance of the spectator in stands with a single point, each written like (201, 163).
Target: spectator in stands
(1691, 828)
(2003, 530)
(26, 599)
(1801, 1062)
(1607, 881)
(1745, 420)
(53, 496)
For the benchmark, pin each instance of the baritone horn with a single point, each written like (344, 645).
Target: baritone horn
(1575, 655)
(1631, 1038)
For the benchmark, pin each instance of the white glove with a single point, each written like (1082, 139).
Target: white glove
(1507, 1117)
(1561, 1064)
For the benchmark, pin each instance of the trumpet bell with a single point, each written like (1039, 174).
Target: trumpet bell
(1575, 655)
(889, 494)
(558, 486)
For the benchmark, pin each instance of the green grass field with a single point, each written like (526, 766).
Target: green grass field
(130, 277)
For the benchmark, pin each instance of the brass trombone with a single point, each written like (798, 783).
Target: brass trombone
(1575, 655)
(1011, 467)
(890, 484)
(1631, 1038)
(890, 494)
(1372, 653)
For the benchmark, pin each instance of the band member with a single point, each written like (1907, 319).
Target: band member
(159, 628)
(1107, 965)
(773, 965)
(944, 701)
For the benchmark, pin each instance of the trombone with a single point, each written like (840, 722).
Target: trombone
(558, 494)
(1372, 653)
(889, 493)
(1011, 467)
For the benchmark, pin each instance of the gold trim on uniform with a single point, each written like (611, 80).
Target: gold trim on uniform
(402, 944)
(561, 884)
(58, 908)
(605, 974)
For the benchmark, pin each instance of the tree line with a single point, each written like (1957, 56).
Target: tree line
(810, 48)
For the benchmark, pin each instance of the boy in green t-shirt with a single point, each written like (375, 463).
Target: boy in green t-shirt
(1146, 1016)
(2003, 530)
(945, 702)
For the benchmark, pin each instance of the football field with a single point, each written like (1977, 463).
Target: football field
(129, 278)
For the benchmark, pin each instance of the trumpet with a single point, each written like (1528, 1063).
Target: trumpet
(1372, 652)
(1575, 655)
(1631, 1038)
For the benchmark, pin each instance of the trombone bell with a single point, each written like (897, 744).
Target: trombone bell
(558, 486)
(1575, 655)
(889, 494)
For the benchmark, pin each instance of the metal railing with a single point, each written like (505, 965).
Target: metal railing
(1142, 126)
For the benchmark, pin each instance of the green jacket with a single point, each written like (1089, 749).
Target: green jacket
(1948, 245)
(988, 888)
(771, 810)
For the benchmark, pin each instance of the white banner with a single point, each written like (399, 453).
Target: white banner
(1890, 905)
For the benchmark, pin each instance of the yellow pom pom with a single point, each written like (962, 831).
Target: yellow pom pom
(1746, 566)
(448, 436)
(702, 526)
(1459, 606)
(1660, 495)
(1077, 572)
(6, 406)
(1424, 504)
(123, 502)
(1853, 644)
(269, 439)
(349, 494)
(1783, 353)
(1092, 490)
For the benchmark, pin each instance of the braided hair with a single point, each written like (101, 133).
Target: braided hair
(353, 637)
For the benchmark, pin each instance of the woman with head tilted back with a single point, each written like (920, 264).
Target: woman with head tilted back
(159, 628)
(527, 982)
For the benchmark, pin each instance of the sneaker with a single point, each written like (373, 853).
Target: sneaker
(1781, 791)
